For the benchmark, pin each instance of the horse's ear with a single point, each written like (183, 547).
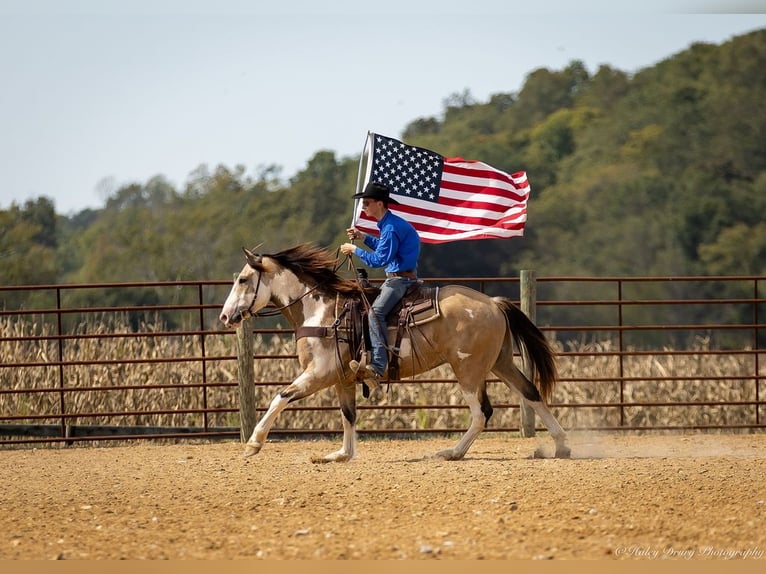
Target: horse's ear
(253, 259)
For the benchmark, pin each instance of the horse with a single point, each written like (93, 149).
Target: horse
(474, 333)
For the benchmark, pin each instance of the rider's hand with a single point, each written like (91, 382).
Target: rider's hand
(347, 248)
(354, 233)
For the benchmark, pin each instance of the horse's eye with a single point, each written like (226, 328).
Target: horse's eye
(242, 280)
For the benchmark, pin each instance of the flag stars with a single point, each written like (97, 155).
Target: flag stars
(416, 175)
(409, 171)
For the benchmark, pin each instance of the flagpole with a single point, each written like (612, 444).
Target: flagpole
(365, 151)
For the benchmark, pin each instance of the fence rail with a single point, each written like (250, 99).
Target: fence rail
(635, 354)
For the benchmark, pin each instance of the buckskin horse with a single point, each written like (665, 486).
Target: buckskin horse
(473, 332)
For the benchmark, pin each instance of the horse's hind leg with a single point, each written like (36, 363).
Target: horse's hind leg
(553, 426)
(481, 410)
(516, 380)
(347, 396)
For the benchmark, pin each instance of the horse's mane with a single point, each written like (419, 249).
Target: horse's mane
(315, 266)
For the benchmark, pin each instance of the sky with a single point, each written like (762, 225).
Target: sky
(98, 94)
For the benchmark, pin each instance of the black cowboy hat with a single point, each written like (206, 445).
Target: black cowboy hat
(375, 190)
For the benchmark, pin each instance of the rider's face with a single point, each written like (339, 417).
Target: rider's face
(373, 208)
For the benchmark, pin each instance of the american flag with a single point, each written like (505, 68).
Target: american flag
(445, 199)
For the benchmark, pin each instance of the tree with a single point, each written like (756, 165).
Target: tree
(25, 257)
(657, 172)
(41, 213)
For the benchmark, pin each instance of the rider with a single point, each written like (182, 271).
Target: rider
(397, 249)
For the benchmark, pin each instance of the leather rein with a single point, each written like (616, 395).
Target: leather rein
(312, 331)
(277, 310)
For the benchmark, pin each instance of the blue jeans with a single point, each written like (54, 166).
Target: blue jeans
(391, 292)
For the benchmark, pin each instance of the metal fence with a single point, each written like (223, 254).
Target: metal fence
(635, 354)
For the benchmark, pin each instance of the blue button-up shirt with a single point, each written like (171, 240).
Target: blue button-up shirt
(397, 248)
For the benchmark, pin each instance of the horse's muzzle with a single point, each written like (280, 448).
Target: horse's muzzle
(234, 320)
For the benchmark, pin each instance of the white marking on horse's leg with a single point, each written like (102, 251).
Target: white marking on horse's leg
(477, 425)
(347, 451)
(349, 439)
(516, 381)
(295, 390)
(347, 397)
(553, 426)
(261, 430)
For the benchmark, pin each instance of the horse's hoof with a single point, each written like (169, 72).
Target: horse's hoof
(332, 457)
(563, 452)
(448, 454)
(320, 459)
(250, 450)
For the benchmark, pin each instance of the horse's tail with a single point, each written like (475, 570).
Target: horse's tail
(529, 338)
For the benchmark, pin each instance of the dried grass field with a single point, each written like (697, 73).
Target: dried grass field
(623, 496)
(700, 497)
(168, 392)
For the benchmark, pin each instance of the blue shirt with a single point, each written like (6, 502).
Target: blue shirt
(397, 248)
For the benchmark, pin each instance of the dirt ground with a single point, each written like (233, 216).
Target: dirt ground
(619, 497)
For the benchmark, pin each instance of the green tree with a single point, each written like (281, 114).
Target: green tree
(26, 254)
(658, 172)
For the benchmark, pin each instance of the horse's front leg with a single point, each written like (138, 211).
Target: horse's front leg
(346, 392)
(303, 386)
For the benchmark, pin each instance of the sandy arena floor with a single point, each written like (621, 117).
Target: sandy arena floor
(620, 497)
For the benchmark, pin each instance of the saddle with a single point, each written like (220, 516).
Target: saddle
(418, 305)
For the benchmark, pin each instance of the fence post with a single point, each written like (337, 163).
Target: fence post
(246, 378)
(528, 294)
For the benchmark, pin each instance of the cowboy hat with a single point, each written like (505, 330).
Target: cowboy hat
(375, 190)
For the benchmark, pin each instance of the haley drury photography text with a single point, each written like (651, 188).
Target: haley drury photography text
(669, 552)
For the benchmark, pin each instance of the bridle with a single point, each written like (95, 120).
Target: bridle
(273, 312)
(278, 310)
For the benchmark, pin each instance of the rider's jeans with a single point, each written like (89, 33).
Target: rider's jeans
(391, 292)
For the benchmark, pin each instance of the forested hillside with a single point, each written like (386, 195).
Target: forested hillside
(658, 173)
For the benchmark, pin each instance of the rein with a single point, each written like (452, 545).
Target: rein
(316, 331)
(277, 310)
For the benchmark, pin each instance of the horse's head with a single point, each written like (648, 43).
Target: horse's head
(251, 291)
